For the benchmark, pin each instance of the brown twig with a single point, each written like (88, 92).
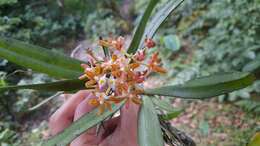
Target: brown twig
(174, 137)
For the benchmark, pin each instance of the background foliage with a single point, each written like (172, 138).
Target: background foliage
(227, 33)
(49, 24)
(223, 36)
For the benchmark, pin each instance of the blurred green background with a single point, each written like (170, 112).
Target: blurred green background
(201, 37)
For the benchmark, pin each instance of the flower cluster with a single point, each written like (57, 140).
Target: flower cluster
(119, 76)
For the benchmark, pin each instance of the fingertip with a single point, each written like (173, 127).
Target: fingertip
(63, 117)
(57, 123)
(129, 119)
(88, 138)
(83, 108)
(131, 109)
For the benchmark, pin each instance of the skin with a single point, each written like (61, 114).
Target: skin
(117, 131)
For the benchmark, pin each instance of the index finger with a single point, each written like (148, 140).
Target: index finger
(63, 117)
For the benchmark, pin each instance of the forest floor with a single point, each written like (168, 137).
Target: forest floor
(211, 123)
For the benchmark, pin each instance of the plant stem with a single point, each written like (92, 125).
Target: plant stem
(175, 137)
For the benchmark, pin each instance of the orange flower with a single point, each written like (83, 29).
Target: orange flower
(134, 65)
(104, 104)
(154, 64)
(149, 43)
(134, 99)
(101, 103)
(117, 44)
(140, 55)
(119, 76)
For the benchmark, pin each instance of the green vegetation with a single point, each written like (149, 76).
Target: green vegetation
(226, 35)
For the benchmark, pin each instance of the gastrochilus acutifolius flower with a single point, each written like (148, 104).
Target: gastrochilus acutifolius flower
(119, 76)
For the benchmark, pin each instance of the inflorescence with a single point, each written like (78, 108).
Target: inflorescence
(119, 76)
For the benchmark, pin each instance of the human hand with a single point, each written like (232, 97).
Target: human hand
(118, 131)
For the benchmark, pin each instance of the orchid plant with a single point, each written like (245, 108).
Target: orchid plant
(116, 78)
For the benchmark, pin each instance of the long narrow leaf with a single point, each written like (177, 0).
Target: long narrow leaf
(149, 131)
(39, 59)
(171, 115)
(206, 87)
(159, 18)
(84, 123)
(255, 140)
(64, 85)
(45, 101)
(141, 27)
(253, 67)
(163, 104)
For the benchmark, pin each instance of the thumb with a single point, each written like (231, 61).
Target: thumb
(129, 119)
(126, 132)
(88, 138)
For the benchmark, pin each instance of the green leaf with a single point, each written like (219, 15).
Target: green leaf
(205, 87)
(163, 104)
(159, 18)
(149, 131)
(254, 67)
(255, 140)
(39, 59)
(2, 82)
(7, 2)
(204, 127)
(45, 101)
(141, 27)
(63, 85)
(171, 115)
(172, 42)
(84, 123)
